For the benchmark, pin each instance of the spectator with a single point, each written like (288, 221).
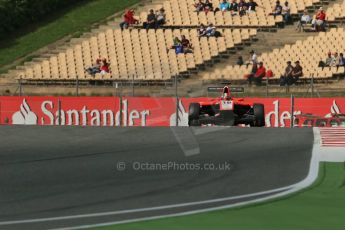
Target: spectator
(319, 21)
(177, 42)
(199, 6)
(286, 12)
(242, 7)
(210, 30)
(223, 6)
(286, 78)
(187, 46)
(342, 59)
(251, 5)
(305, 19)
(277, 10)
(208, 6)
(297, 72)
(288, 69)
(177, 46)
(250, 77)
(329, 60)
(179, 49)
(240, 61)
(104, 67)
(95, 68)
(336, 60)
(233, 6)
(253, 59)
(202, 30)
(128, 19)
(160, 17)
(259, 75)
(150, 21)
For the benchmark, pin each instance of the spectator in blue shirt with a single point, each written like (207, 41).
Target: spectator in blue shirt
(223, 6)
(342, 59)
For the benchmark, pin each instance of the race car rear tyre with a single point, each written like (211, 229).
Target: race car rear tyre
(194, 114)
(194, 111)
(259, 113)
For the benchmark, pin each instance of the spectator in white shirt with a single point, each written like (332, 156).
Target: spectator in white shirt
(210, 30)
(337, 60)
(330, 60)
(253, 58)
(286, 12)
(305, 19)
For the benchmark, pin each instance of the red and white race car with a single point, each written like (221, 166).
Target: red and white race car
(226, 111)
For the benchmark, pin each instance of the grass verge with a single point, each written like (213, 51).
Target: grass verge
(75, 21)
(319, 207)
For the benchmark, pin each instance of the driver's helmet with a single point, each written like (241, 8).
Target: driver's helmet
(226, 93)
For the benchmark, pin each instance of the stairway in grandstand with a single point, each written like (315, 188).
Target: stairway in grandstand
(141, 55)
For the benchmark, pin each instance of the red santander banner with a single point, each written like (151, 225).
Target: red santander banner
(93, 111)
(149, 111)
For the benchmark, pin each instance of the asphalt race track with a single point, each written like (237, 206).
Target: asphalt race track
(55, 173)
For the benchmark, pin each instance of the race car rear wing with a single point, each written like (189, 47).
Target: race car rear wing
(217, 89)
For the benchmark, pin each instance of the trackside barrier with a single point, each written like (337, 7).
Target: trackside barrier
(165, 111)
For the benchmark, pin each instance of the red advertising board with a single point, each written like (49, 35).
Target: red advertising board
(145, 111)
(149, 111)
(93, 111)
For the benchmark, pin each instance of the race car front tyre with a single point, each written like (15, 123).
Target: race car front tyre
(194, 111)
(259, 113)
(194, 114)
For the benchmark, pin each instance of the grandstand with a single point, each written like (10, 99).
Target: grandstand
(126, 51)
(309, 52)
(145, 55)
(181, 13)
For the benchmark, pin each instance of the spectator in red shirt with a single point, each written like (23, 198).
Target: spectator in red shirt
(187, 46)
(319, 21)
(104, 67)
(128, 19)
(259, 74)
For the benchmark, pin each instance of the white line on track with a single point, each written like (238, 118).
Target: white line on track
(145, 209)
(187, 141)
